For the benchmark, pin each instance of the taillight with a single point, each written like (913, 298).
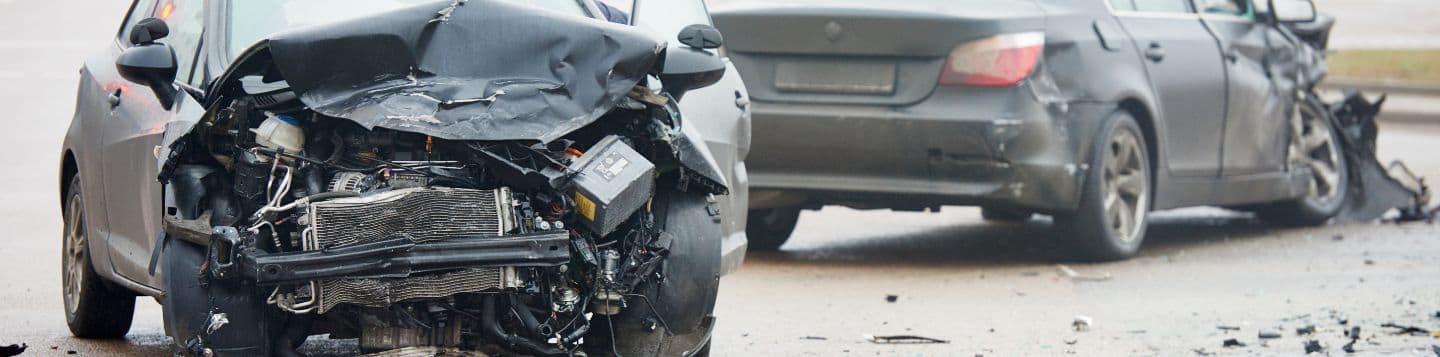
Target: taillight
(997, 61)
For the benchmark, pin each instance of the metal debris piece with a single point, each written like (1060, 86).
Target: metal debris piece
(1232, 343)
(13, 350)
(1313, 346)
(903, 339)
(1071, 274)
(1082, 323)
(1269, 333)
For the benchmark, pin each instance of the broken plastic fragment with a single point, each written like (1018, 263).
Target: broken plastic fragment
(216, 322)
(903, 339)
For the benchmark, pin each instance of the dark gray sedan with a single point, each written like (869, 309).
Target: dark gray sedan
(1095, 112)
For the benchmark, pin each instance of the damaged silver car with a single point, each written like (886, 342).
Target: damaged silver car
(482, 177)
(1095, 112)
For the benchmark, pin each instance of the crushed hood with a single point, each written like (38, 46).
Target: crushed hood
(476, 70)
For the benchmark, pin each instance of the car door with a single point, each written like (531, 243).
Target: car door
(128, 145)
(1255, 125)
(1183, 61)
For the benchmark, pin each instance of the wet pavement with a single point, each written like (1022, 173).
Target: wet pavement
(989, 289)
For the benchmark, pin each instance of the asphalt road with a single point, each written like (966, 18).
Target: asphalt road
(989, 289)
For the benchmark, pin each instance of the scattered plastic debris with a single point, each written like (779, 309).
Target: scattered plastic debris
(1228, 328)
(1203, 352)
(903, 339)
(1313, 346)
(1354, 334)
(1305, 330)
(13, 350)
(892, 298)
(1269, 333)
(815, 338)
(1071, 274)
(216, 322)
(1231, 343)
(1408, 330)
(1082, 323)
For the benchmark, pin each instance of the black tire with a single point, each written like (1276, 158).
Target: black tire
(94, 308)
(1003, 215)
(768, 229)
(1120, 173)
(1329, 186)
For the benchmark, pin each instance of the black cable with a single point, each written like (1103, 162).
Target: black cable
(668, 331)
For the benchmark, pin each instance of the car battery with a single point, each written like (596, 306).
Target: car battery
(613, 182)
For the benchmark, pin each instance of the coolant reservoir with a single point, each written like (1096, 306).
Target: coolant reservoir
(280, 132)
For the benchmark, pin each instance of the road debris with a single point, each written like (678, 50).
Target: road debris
(1201, 351)
(1232, 343)
(1305, 330)
(1354, 334)
(1269, 333)
(1082, 323)
(1228, 328)
(1410, 330)
(13, 350)
(815, 338)
(903, 339)
(1071, 274)
(892, 298)
(1313, 346)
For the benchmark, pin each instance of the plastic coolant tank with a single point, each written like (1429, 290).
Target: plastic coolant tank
(280, 132)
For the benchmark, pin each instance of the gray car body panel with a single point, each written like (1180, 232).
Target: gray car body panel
(924, 145)
(99, 79)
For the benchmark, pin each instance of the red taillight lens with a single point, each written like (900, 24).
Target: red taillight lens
(997, 61)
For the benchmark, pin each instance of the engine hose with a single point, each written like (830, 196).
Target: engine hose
(491, 328)
(531, 324)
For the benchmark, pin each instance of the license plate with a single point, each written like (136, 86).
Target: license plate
(832, 76)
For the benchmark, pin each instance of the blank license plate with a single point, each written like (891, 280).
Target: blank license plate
(830, 76)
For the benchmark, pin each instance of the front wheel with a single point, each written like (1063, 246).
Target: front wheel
(768, 229)
(1315, 146)
(1115, 198)
(94, 308)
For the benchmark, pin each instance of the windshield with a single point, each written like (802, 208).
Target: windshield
(253, 20)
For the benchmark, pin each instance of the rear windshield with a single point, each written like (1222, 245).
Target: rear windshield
(253, 20)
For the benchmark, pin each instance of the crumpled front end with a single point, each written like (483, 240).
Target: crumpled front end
(463, 178)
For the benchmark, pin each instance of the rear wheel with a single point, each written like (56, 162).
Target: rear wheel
(768, 229)
(1115, 199)
(94, 308)
(1314, 145)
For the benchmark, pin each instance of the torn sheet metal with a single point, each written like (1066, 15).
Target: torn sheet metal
(1375, 190)
(478, 70)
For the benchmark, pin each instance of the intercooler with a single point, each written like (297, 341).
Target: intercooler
(419, 215)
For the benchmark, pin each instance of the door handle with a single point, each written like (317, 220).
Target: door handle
(114, 99)
(1156, 52)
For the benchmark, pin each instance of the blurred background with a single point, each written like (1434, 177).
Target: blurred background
(1206, 275)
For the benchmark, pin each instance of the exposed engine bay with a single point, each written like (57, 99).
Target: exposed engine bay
(418, 238)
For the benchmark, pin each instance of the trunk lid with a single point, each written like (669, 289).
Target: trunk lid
(858, 51)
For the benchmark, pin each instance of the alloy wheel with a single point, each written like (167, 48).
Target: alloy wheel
(1126, 185)
(73, 259)
(1313, 146)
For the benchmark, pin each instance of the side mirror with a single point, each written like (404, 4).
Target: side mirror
(688, 69)
(149, 63)
(1293, 11)
(701, 37)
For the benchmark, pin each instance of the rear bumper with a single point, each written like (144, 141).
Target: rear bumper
(961, 146)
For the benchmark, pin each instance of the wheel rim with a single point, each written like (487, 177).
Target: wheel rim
(1313, 146)
(73, 261)
(1126, 185)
